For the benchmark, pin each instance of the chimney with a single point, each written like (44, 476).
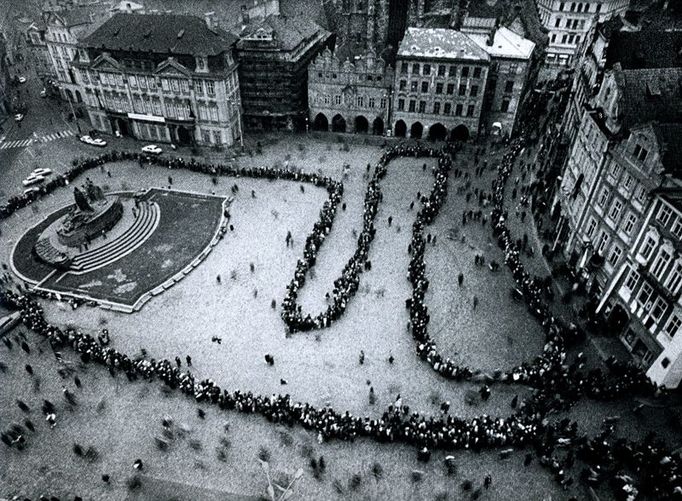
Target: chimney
(208, 17)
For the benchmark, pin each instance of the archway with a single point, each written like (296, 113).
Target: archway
(438, 132)
(460, 133)
(361, 124)
(122, 127)
(184, 136)
(378, 126)
(618, 319)
(321, 123)
(416, 130)
(69, 95)
(400, 129)
(79, 97)
(338, 124)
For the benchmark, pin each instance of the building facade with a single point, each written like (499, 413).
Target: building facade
(161, 77)
(642, 304)
(5, 107)
(568, 23)
(273, 56)
(509, 78)
(36, 37)
(439, 86)
(349, 97)
(64, 29)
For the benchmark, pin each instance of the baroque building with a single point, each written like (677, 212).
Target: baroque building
(349, 96)
(161, 77)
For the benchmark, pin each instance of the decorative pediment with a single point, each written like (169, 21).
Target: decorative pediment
(171, 67)
(105, 62)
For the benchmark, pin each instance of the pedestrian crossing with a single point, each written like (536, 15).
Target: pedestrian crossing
(23, 143)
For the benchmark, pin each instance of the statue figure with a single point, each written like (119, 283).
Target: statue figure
(93, 191)
(81, 200)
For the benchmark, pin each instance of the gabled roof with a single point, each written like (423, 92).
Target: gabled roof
(287, 32)
(162, 33)
(439, 43)
(506, 43)
(645, 49)
(650, 95)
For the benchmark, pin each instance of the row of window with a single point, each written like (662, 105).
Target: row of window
(566, 38)
(441, 70)
(358, 101)
(153, 106)
(420, 107)
(168, 85)
(369, 78)
(579, 7)
(571, 24)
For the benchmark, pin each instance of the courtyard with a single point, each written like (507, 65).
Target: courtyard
(234, 294)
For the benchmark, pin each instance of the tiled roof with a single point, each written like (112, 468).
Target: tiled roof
(83, 15)
(668, 136)
(163, 33)
(288, 32)
(645, 49)
(650, 95)
(440, 43)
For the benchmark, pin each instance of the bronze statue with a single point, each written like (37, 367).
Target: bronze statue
(81, 200)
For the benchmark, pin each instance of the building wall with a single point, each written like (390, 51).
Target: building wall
(4, 81)
(40, 54)
(643, 304)
(507, 85)
(349, 91)
(568, 23)
(154, 105)
(445, 91)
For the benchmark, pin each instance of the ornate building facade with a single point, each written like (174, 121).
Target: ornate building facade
(161, 77)
(349, 97)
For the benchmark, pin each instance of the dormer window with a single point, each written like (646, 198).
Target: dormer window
(201, 64)
(83, 55)
(640, 153)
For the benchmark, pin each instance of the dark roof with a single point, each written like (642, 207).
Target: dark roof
(668, 136)
(76, 16)
(288, 32)
(650, 95)
(645, 49)
(161, 33)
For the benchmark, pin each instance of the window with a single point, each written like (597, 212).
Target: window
(371, 102)
(413, 105)
(436, 108)
(603, 240)
(562, 5)
(414, 85)
(465, 71)
(337, 100)
(451, 89)
(628, 181)
(661, 263)
(447, 108)
(641, 194)
(648, 247)
(422, 106)
(403, 84)
(645, 295)
(677, 227)
(616, 169)
(425, 86)
(675, 278)
(504, 107)
(664, 214)
(360, 101)
(474, 91)
(477, 72)
(441, 70)
(210, 88)
(673, 325)
(382, 103)
(439, 88)
(640, 153)
(660, 307)
(401, 104)
(564, 38)
(598, 9)
(427, 69)
(453, 71)
(462, 90)
(603, 197)
(206, 136)
(216, 137)
(509, 86)
(632, 280)
(591, 226)
(470, 110)
(458, 110)
(616, 209)
(630, 222)
(616, 252)
(415, 68)
(557, 23)
(403, 68)
(553, 38)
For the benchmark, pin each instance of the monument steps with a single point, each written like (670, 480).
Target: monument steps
(144, 225)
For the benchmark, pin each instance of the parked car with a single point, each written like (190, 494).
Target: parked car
(22, 79)
(32, 189)
(152, 149)
(31, 180)
(41, 171)
(19, 117)
(93, 141)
